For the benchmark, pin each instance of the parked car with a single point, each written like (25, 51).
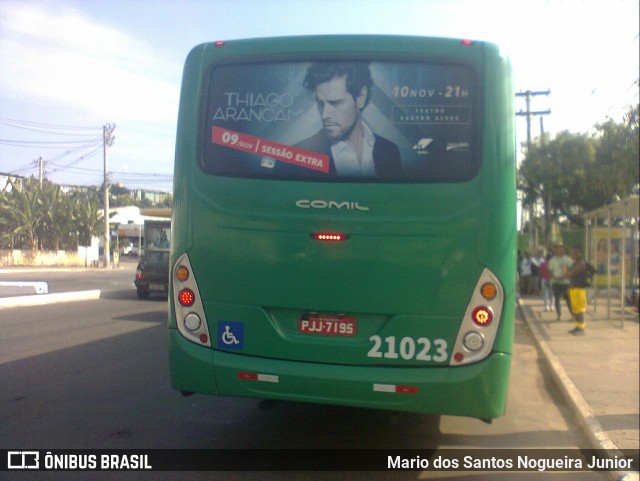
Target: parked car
(126, 249)
(152, 274)
(136, 251)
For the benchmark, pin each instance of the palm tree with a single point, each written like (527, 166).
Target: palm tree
(56, 216)
(21, 215)
(86, 219)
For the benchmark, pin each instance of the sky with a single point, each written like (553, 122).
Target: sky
(68, 68)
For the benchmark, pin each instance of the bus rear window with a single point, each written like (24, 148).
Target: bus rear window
(342, 121)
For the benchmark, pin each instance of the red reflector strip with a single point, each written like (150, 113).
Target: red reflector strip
(328, 237)
(254, 376)
(394, 388)
(407, 389)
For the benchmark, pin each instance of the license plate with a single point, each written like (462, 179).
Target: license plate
(327, 325)
(156, 287)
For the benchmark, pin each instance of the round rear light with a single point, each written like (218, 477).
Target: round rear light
(473, 341)
(186, 297)
(182, 273)
(192, 321)
(482, 316)
(489, 291)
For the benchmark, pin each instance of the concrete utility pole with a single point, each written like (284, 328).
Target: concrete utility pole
(533, 230)
(528, 113)
(107, 141)
(40, 163)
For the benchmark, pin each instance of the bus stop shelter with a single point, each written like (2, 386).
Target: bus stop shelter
(611, 245)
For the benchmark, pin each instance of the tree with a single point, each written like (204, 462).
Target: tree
(574, 173)
(557, 174)
(44, 217)
(55, 222)
(21, 215)
(617, 155)
(87, 222)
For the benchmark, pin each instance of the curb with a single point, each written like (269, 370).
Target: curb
(589, 424)
(43, 299)
(24, 287)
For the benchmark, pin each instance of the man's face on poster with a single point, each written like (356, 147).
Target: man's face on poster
(339, 110)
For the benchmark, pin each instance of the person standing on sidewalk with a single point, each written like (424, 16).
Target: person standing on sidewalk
(526, 276)
(559, 266)
(545, 283)
(578, 292)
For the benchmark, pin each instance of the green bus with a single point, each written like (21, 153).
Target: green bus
(343, 227)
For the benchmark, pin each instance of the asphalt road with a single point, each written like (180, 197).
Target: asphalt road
(74, 279)
(93, 374)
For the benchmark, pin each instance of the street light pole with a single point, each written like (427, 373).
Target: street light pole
(107, 141)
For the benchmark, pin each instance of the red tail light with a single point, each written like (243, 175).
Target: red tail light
(329, 236)
(186, 297)
(482, 316)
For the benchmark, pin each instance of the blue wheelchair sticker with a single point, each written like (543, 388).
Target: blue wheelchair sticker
(231, 335)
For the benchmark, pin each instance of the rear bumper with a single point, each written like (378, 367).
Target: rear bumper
(159, 285)
(476, 390)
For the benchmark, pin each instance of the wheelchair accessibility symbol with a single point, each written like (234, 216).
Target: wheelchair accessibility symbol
(231, 335)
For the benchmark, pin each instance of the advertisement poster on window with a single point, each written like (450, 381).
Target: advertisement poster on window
(354, 121)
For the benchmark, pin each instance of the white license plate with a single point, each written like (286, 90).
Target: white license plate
(156, 287)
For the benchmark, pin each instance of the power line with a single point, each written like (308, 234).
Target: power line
(88, 134)
(90, 145)
(72, 164)
(26, 124)
(23, 168)
(42, 144)
(83, 143)
(44, 130)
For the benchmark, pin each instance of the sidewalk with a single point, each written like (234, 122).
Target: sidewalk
(598, 373)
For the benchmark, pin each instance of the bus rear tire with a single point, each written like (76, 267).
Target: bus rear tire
(425, 427)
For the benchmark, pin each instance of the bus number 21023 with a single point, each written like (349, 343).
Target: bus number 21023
(422, 349)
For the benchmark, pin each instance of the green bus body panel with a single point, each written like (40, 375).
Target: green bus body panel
(408, 268)
(469, 391)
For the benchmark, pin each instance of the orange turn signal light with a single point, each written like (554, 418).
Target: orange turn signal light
(489, 291)
(182, 273)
